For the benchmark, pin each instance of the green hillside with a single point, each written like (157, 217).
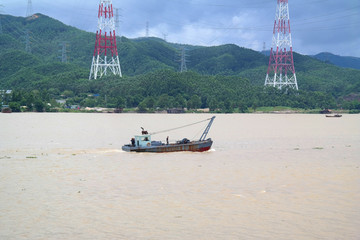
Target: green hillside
(226, 60)
(341, 61)
(225, 77)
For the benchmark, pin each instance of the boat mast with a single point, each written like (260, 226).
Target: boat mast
(207, 129)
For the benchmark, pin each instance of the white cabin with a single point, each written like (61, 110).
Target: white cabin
(143, 141)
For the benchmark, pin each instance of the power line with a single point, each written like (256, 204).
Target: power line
(330, 28)
(117, 22)
(333, 13)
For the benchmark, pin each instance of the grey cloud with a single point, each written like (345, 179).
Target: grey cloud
(317, 25)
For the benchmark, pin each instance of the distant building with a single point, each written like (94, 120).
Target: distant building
(61, 101)
(5, 91)
(175, 110)
(75, 107)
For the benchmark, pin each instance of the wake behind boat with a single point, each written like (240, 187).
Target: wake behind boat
(144, 143)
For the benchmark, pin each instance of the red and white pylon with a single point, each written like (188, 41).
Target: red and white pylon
(106, 56)
(281, 70)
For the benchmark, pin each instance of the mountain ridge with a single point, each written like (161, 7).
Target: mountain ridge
(341, 61)
(330, 58)
(142, 57)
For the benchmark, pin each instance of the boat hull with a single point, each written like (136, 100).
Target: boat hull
(337, 115)
(196, 146)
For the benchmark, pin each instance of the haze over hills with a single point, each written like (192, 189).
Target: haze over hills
(139, 57)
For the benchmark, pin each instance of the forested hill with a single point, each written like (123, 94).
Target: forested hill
(41, 67)
(137, 56)
(347, 62)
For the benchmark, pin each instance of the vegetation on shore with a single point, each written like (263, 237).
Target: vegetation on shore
(166, 89)
(224, 78)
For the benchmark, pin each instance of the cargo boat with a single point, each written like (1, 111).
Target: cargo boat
(144, 143)
(6, 109)
(336, 115)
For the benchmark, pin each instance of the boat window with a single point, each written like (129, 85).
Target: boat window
(144, 139)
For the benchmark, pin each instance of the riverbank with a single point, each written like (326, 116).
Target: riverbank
(262, 110)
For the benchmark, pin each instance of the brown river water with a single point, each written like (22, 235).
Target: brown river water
(268, 176)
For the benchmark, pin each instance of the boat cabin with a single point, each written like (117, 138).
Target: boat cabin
(143, 141)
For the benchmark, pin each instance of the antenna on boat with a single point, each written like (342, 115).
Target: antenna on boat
(206, 131)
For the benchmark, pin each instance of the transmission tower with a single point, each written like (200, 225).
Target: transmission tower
(147, 30)
(1, 29)
(27, 41)
(183, 60)
(281, 70)
(29, 10)
(106, 56)
(64, 50)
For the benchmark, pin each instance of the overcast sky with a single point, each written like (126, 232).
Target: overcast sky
(317, 25)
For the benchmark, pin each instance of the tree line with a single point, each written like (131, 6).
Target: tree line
(166, 89)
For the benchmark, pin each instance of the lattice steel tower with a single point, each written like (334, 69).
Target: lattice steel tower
(281, 70)
(1, 29)
(27, 41)
(183, 61)
(29, 10)
(64, 52)
(106, 56)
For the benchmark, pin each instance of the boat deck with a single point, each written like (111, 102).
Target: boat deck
(196, 146)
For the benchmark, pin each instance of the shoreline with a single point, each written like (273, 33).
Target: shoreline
(132, 111)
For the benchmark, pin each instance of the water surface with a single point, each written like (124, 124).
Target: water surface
(64, 176)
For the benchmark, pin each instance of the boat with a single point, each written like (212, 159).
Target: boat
(335, 115)
(6, 109)
(144, 142)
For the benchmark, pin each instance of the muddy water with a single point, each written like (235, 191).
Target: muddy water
(64, 176)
